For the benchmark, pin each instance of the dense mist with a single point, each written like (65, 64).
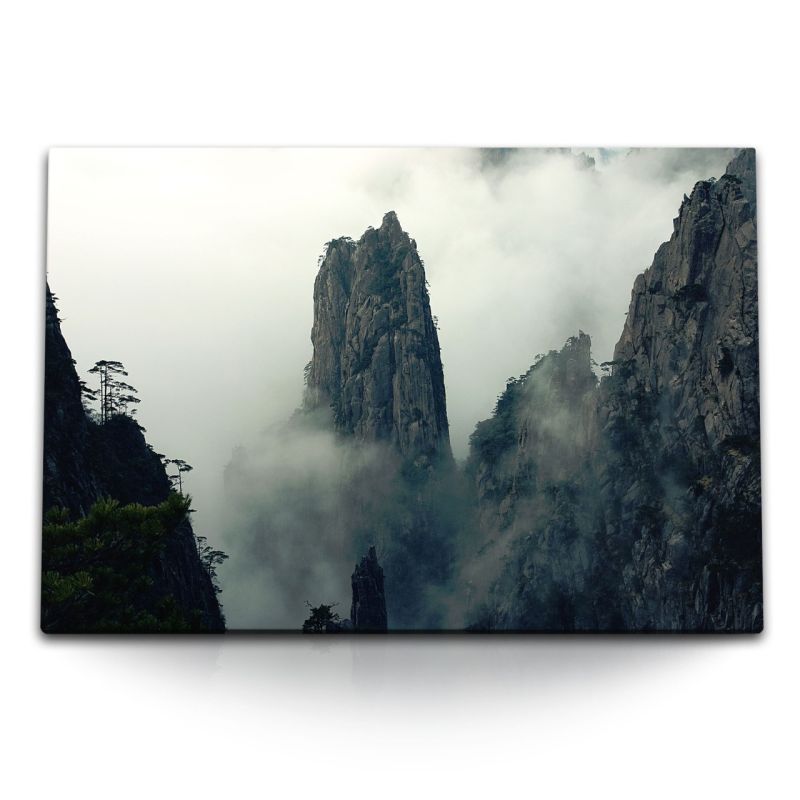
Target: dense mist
(302, 504)
(196, 268)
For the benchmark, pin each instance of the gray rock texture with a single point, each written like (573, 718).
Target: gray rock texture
(376, 377)
(636, 504)
(376, 360)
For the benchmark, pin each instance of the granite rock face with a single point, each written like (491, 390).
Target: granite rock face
(532, 468)
(85, 461)
(376, 360)
(687, 366)
(376, 379)
(636, 505)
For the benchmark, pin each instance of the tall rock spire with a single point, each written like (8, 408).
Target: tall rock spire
(376, 356)
(368, 610)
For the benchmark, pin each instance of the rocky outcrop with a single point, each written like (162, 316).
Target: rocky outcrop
(376, 359)
(69, 481)
(532, 466)
(368, 609)
(85, 461)
(636, 505)
(376, 379)
(538, 434)
(686, 369)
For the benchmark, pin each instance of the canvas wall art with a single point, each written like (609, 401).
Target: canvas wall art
(349, 391)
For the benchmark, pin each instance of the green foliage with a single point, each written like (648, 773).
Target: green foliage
(322, 619)
(210, 559)
(494, 436)
(114, 395)
(96, 570)
(176, 479)
(385, 278)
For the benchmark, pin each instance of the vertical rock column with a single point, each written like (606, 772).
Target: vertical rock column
(368, 611)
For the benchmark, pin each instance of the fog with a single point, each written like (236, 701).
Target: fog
(195, 267)
(289, 523)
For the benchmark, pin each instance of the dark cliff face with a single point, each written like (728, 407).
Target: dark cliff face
(85, 461)
(538, 434)
(368, 609)
(68, 480)
(687, 369)
(644, 511)
(376, 356)
(532, 468)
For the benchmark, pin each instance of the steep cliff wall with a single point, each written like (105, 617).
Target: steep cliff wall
(69, 482)
(368, 608)
(686, 367)
(643, 510)
(376, 379)
(538, 434)
(84, 461)
(531, 466)
(376, 356)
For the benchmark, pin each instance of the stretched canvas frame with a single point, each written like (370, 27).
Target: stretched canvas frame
(401, 482)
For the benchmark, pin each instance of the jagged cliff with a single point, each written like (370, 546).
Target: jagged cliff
(68, 480)
(376, 379)
(636, 504)
(85, 461)
(376, 360)
(368, 608)
(538, 434)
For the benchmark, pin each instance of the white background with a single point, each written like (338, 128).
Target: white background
(544, 717)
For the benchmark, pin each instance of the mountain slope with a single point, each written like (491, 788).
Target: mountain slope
(84, 462)
(643, 509)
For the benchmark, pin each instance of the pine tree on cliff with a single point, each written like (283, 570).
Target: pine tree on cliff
(181, 468)
(115, 395)
(119, 553)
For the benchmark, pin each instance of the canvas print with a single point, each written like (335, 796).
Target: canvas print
(370, 390)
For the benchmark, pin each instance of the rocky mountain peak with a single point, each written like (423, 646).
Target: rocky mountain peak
(691, 335)
(539, 432)
(636, 504)
(376, 361)
(743, 166)
(570, 369)
(391, 225)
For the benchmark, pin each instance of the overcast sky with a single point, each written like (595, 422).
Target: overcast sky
(195, 267)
